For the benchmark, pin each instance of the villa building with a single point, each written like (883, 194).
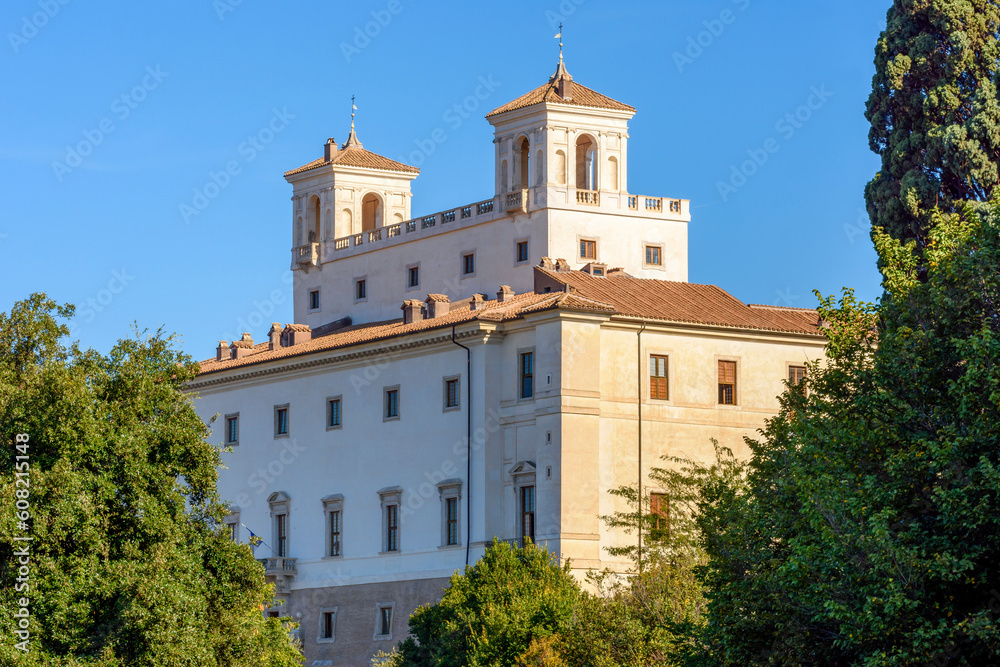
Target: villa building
(491, 370)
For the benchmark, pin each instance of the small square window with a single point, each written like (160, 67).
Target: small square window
(653, 257)
(796, 374)
(527, 373)
(413, 276)
(521, 251)
(314, 300)
(360, 289)
(588, 249)
(333, 413)
(391, 407)
(727, 383)
(280, 421)
(468, 264)
(451, 393)
(233, 429)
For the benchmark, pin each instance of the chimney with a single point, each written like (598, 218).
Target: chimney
(297, 333)
(546, 263)
(222, 352)
(438, 305)
(330, 150)
(562, 266)
(505, 294)
(242, 347)
(477, 302)
(566, 87)
(275, 336)
(413, 311)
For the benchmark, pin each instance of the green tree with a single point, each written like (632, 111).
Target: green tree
(865, 529)
(128, 563)
(491, 615)
(935, 120)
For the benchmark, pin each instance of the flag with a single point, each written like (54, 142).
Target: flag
(255, 540)
(354, 106)
(558, 35)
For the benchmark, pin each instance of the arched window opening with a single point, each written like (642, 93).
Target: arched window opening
(313, 220)
(525, 171)
(612, 180)
(586, 179)
(371, 212)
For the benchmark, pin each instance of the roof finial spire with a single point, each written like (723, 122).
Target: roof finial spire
(352, 139)
(560, 43)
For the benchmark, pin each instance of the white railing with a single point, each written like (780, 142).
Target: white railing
(278, 565)
(589, 197)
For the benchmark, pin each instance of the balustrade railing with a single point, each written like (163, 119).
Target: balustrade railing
(589, 197)
(447, 216)
(429, 221)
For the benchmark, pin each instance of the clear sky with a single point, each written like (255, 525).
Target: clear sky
(116, 113)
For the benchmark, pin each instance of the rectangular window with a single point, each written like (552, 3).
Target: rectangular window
(281, 540)
(392, 527)
(468, 264)
(527, 375)
(451, 393)
(727, 383)
(328, 622)
(796, 374)
(527, 514)
(413, 276)
(451, 514)
(232, 429)
(234, 531)
(314, 300)
(391, 403)
(333, 416)
(588, 249)
(522, 251)
(658, 388)
(385, 621)
(659, 508)
(360, 290)
(335, 533)
(653, 255)
(280, 421)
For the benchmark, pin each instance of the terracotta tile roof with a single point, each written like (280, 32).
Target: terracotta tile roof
(683, 302)
(582, 97)
(490, 311)
(355, 156)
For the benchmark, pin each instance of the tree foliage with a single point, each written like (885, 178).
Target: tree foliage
(128, 564)
(935, 120)
(865, 528)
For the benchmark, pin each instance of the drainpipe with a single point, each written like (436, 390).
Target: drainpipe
(638, 397)
(468, 442)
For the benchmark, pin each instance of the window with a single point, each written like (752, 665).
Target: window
(281, 535)
(588, 249)
(521, 251)
(233, 429)
(314, 300)
(333, 413)
(413, 276)
(334, 534)
(391, 403)
(527, 389)
(392, 527)
(234, 531)
(727, 383)
(327, 625)
(659, 508)
(451, 510)
(450, 491)
(796, 374)
(653, 255)
(383, 621)
(527, 514)
(451, 393)
(468, 263)
(281, 421)
(658, 387)
(360, 289)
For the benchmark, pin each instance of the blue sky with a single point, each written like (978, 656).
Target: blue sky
(161, 96)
